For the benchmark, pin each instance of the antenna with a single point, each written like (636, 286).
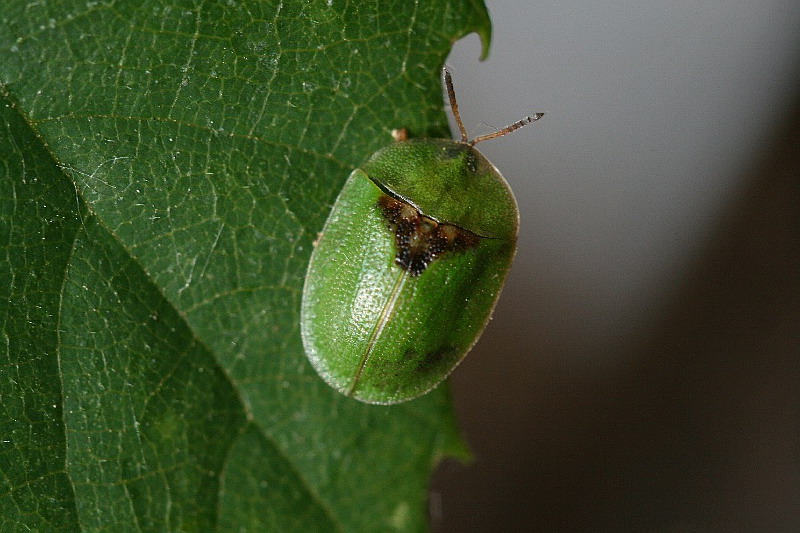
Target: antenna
(508, 129)
(448, 81)
(451, 93)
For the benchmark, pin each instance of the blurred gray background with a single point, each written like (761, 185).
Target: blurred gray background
(642, 369)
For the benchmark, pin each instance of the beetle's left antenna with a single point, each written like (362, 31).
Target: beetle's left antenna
(451, 93)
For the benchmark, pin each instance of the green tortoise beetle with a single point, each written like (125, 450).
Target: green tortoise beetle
(409, 266)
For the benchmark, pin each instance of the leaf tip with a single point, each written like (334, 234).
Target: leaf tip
(484, 31)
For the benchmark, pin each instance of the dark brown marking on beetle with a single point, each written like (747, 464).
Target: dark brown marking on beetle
(419, 239)
(432, 362)
(462, 150)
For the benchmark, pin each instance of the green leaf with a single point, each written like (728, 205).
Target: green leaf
(164, 169)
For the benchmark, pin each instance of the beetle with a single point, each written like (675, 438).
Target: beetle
(409, 265)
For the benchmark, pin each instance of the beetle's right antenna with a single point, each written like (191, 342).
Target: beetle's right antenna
(508, 129)
(448, 81)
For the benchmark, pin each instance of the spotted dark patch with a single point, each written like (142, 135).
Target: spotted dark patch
(431, 362)
(419, 239)
(458, 150)
(414, 366)
(472, 162)
(454, 150)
